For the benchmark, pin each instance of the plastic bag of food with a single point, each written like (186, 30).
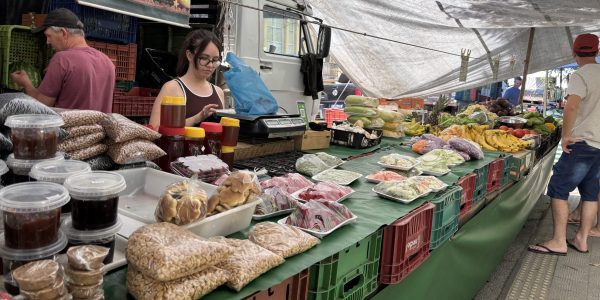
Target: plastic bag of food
(94, 291)
(81, 117)
(87, 257)
(83, 278)
(182, 203)
(376, 123)
(353, 100)
(393, 126)
(360, 111)
(75, 131)
(55, 291)
(239, 188)
(393, 134)
(247, 262)
(164, 252)
(290, 182)
(24, 104)
(366, 122)
(137, 150)
(121, 129)
(282, 240)
(81, 142)
(329, 159)
(37, 275)
(274, 199)
(100, 162)
(190, 287)
(89, 152)
(391, 116)
(310, 164)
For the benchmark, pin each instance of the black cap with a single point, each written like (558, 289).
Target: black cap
(60, 17)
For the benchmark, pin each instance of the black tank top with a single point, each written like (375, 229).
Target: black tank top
(194, 103)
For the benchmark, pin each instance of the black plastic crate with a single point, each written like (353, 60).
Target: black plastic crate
(355, 140)
(276, 164)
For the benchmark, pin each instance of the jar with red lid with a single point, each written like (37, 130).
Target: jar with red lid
(231, 130)
(172, 142)
(194, 141)
(172, 112)
(212, 140)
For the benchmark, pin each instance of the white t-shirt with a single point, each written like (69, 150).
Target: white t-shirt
(585, 83)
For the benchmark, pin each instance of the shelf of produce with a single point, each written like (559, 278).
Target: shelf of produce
(445, 216)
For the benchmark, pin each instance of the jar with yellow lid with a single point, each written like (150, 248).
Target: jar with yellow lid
(194, 140)
(231, 131)
(227, 155)
(172, 112)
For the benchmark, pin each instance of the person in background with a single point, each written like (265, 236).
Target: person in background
(512, 93)
(579, 164)
(200, 57)
(78, 76)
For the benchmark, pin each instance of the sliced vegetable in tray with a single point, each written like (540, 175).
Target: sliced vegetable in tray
(341, 177)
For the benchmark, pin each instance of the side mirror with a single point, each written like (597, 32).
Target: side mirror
(323, 41)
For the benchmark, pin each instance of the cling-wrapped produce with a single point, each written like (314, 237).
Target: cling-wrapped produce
(366, 122)
(282, 240)
(325, 190)
(310, 164)
(329, 159)
(360, 111)
(274, 199)
(391, 116)
(353, 100)
(290, 182)
(319, 216)
(473, 150)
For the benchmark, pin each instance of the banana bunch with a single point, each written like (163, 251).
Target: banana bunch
(475, 133)
(504, 141)
(413, 128)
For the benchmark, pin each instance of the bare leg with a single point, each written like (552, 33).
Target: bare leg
(595, 231)
(560, 214)
(588, 215)
(575, 215)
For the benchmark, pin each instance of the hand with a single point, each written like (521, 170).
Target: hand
(21, 78)
(207, 111)
(566, 142)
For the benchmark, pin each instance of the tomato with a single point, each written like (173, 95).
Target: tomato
(504, 127)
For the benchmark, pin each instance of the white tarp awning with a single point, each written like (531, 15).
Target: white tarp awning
(488, 28)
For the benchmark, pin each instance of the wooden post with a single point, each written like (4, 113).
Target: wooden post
(526, 67)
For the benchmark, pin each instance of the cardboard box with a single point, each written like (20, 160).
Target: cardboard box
(245, 151)
(313, 140)
(520, 163)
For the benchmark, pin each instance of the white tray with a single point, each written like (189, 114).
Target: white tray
(427, 172)
(274, 214)
(378, 181)
(144, 188)
(356, 176)
(296, 194)
(318, 233)
(397, 167)
(445, 186)
(406, 201)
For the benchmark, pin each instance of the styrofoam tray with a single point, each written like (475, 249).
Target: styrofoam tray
(318, 233)
(350, 173)
(427, 172)
(397, 167)
(445, 186)
(274, 214)
(145, 187)
(296, 196)
(384, 195)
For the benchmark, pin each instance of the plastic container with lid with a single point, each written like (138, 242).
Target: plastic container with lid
(231, 131)
(20, 168)
(31, 213)
(172, 141)
(14, 258)
(227, 154)
(34, 136)
(172, 112)
(94, 199)
(212, 140)
(194, 141)
(101, 237)
(3, 170)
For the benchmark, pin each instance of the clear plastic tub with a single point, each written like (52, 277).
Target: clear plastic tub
(3, 170)
(31, 213)
(34, 136)
(14, 258)
(94, 199)
(101, 237)
(20, 168)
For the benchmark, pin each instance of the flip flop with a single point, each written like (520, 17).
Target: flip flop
(572, 246)
(573, 221)
(548, 252)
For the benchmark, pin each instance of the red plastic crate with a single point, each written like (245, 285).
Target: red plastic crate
(467, 183)
(494, 177)
(123, 56)
(334, 114)
(406, 244)
(137, 102)
(293, 288)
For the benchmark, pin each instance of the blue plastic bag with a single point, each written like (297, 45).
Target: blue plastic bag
(251, 95)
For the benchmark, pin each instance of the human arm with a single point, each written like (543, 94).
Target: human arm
(569, 116)
(207, 111)
(22, 79)
(171, 88)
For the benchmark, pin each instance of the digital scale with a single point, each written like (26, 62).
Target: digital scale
(268, 126)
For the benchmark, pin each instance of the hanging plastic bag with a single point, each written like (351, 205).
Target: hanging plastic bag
(251, 95)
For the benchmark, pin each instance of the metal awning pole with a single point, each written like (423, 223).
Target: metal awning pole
(526, 67)
(545, 95)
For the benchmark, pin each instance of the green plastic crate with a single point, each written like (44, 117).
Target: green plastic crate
(509, 163)
(349, 274)
(480, 184)
(445, 216)
(18, 43)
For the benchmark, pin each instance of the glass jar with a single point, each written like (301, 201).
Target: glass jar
(231, 131)
(172, 142)
(194, 141)
(212, 141)
(34, 136)
(172, 112)
(227, 155)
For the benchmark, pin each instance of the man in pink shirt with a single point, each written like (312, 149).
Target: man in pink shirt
(78, 76)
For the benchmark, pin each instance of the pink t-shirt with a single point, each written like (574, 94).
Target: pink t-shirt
(80, 78)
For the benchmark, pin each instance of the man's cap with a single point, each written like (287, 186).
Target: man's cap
(586, 43)
(60, 17)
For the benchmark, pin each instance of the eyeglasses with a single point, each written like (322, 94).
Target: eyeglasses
(205, 60)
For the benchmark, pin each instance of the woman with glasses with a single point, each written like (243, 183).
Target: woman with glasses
(200, 57)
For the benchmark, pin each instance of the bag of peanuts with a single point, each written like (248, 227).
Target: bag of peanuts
(182, 203)
(247, 262)
(190, 287)
(164, 252)
(121, 129)
(282, 240)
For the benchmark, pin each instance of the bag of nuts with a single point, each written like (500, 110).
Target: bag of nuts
(247, 262)
(182, 203)
(137, 150)
(81, 117)
(282, 240)
(164, 252)
(121, 129)
(190, 287)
